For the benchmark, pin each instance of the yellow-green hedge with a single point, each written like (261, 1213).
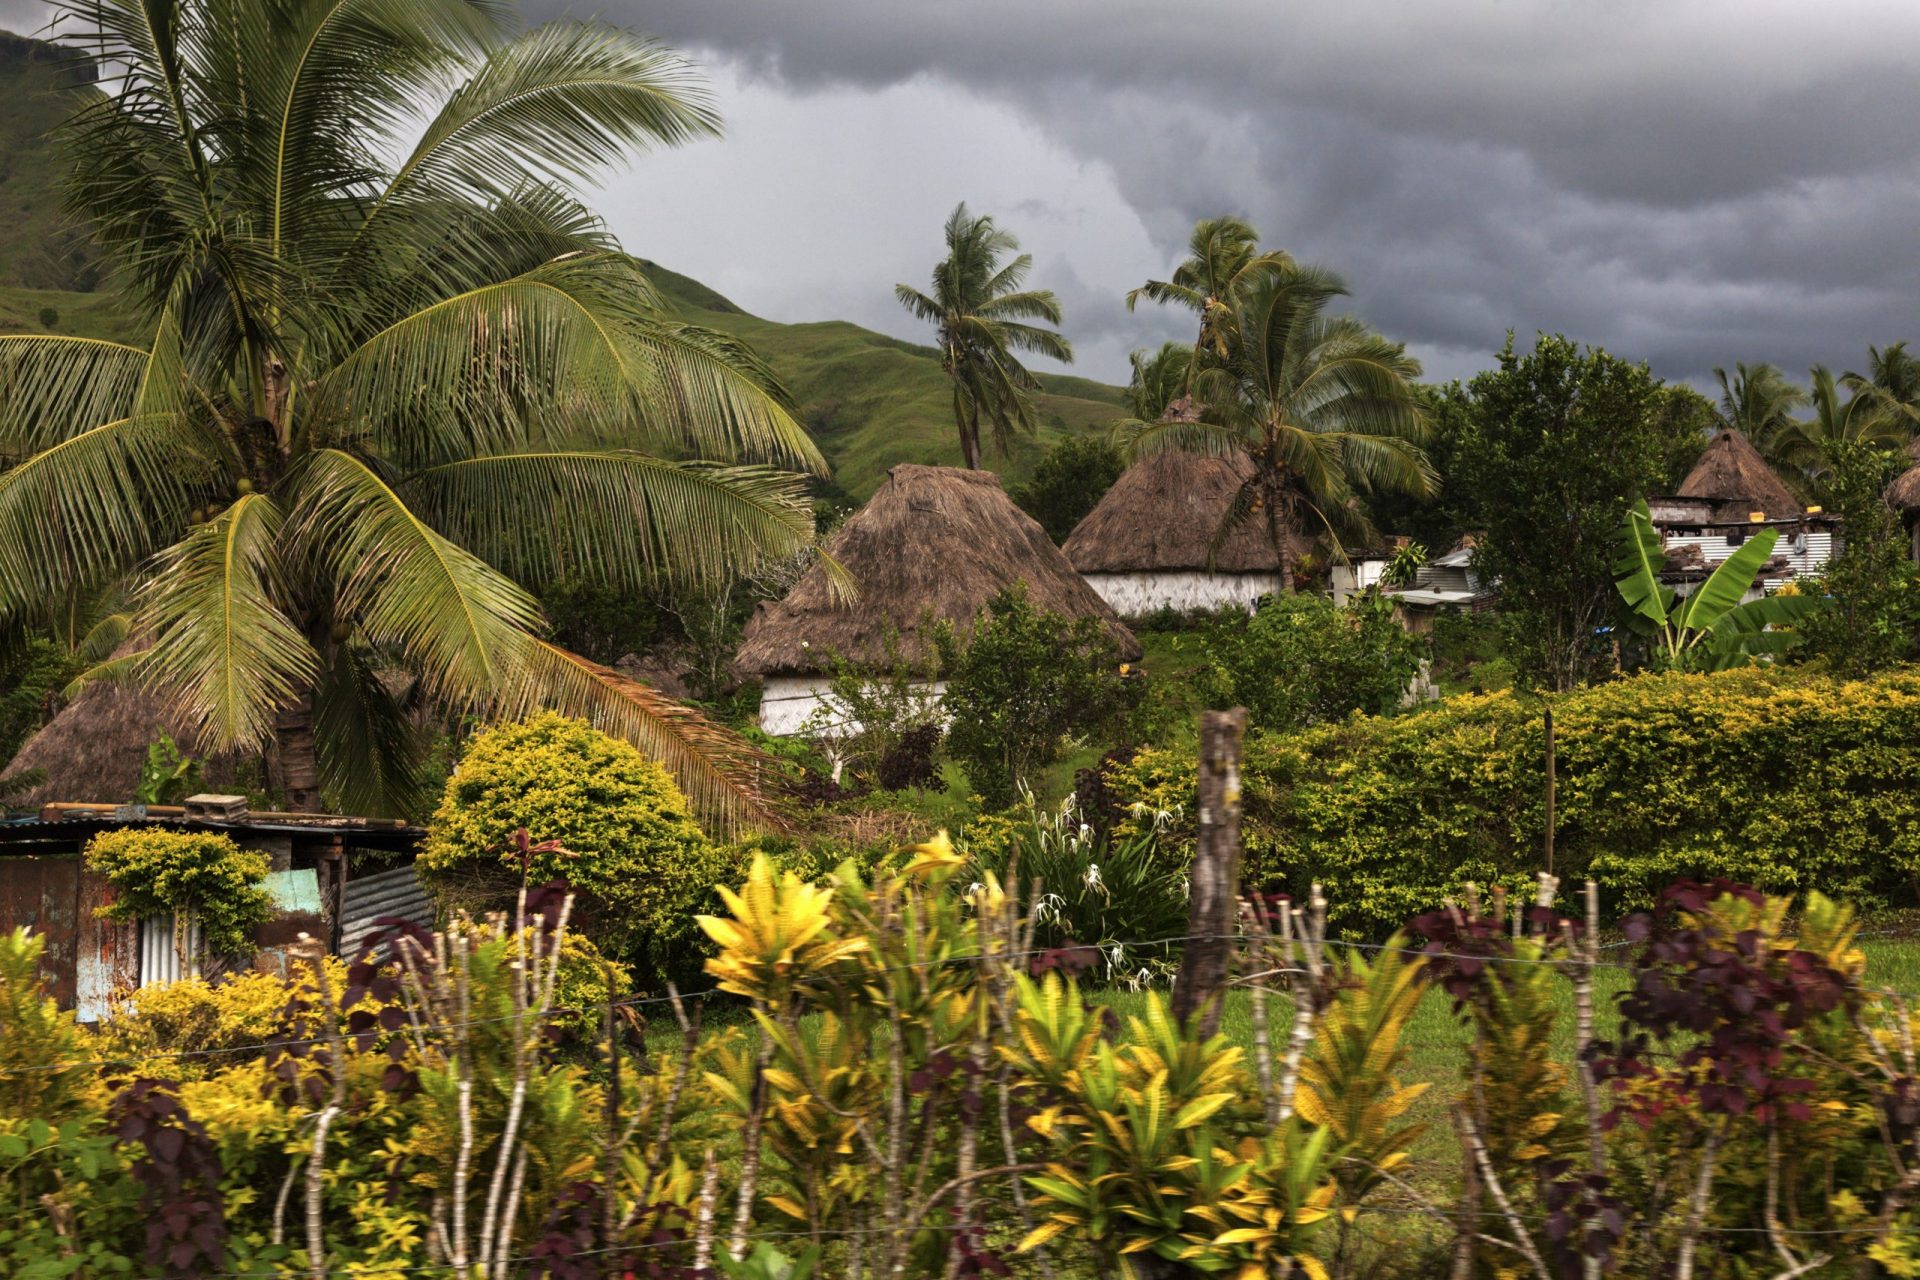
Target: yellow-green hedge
(1784, 780)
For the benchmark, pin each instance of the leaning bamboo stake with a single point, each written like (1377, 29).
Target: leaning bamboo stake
(1697, 1205)
(703, 1215)
(317, 1157)
(1263, 946)
(1309, 932)
(1483, 1161)
(750, 1149)
(517, 1096)
(462, 1062)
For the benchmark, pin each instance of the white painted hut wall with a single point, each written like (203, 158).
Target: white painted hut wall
(1350, 580)
(1806, 553)
(789, 703)
(1132, 595)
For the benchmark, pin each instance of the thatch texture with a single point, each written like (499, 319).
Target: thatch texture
(94, 749)
(1732, 472)
(1904, 493)
(1161, 516)
(933, 542)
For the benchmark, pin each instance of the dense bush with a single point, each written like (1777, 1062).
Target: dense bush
(1020, 684)
(620, 829)
(1068, 482)
(1787, 781)
(1304, 660)
(194, 872)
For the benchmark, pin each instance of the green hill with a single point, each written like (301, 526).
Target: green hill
(870, 400)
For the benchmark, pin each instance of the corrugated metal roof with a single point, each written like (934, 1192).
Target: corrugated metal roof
(396, 893)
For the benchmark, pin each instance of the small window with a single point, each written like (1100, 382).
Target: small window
(1736, 536)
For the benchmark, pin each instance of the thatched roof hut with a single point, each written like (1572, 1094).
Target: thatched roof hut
(932, 542)
(94, 749)
(1145, 545)
(1732, 472)
(1162, 513)
(1903, 495)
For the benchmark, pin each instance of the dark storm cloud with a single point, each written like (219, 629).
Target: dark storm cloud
(1687, 181)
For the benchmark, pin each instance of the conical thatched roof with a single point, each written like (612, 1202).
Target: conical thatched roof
(1904, 493)
(932, 541)
(1161, 515)
(94, 749)
(1731, 471)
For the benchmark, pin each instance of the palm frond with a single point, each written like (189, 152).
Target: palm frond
(400, 584)
(223, 649)
(91, 504)
(560, 102)
(617, 517)
(367, 746)
(728, 782)
(53, 386)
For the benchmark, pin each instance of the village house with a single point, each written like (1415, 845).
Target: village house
(933, 544)
(331, 877)
(1730, 495)
(1148, 544)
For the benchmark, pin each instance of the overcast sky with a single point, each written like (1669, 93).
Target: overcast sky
(1689, 182)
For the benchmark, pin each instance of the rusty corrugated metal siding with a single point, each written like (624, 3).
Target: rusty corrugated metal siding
(86, 961)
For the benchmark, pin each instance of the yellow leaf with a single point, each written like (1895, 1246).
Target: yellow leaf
(1041, 1234)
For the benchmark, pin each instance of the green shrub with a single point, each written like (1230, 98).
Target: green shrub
(198, 872)
(1023, 682)
(1085, 889)
(1788, 781)
(636, 860)
(1304, 660)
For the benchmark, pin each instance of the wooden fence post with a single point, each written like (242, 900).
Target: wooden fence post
(1214, 884)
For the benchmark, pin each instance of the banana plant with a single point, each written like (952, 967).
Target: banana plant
(1709, 628)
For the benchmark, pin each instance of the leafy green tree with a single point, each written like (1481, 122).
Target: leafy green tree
(392, 374)
(1438, 518)
(983, 316)
(1846, 413)
(1558, 439)
(1068, 482)
(1223, 258)
(1893, 378)
(1758, 400)
(1710, 627)
(1686, 420)
(1019, 684)
(1304, 660)
(1326, 408)
(1873, 584)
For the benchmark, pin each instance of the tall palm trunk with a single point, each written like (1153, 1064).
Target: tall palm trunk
(294, 750)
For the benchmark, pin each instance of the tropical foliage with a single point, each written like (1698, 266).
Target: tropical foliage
(391, 376)
(1660, 776)
(1714, 625)
(983, 315)
(1326, 408)
(1303, 660)
(612, 823)
(196, 875)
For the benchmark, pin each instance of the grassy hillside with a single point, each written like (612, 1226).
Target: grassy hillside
(45, 262)
(870, 400)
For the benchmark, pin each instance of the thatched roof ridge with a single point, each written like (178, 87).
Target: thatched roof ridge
(1161, 514)
(932, 542)
(94, 749)
(1731, 471)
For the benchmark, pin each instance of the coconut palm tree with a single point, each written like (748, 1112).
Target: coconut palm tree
(1892, 380)
(1758, 401)
(1223, 254)
(984, 316)
(380, 398)
(1159, 378)
(1843, 416)
(1325, 407)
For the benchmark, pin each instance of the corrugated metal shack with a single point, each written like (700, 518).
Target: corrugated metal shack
(332, 876)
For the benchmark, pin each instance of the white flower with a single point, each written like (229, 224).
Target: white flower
(1092, 876)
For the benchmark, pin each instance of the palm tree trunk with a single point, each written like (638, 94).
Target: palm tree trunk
(970, 440)
(294, 748)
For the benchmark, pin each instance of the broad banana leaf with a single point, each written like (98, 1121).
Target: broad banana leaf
(1638, 564)
(1742, 634)
(1720, 594)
